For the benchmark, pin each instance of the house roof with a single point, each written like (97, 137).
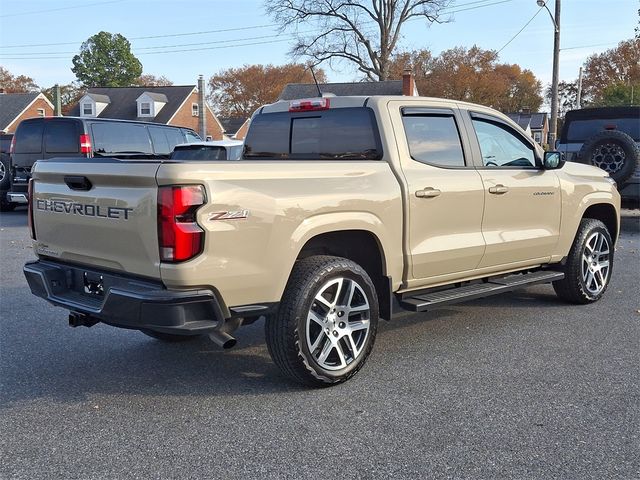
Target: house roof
(232, 124)
(535, 121)
(12, 105)
(308, 90)
(158, 97)
(123, 104)
(99, 98)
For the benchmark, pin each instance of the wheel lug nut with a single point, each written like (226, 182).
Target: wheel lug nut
(335, 333)
(341, 325)
(340, 313)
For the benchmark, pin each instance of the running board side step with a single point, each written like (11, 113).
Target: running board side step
(422, 302)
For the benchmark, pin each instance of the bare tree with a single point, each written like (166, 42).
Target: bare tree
(363, 32)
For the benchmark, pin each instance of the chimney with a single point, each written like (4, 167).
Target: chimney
(202, 117)
(57, 108)
(408, 83)
(526, 110)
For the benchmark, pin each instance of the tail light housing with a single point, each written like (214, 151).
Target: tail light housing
(85, 144)
(180, 237)
(32, 227)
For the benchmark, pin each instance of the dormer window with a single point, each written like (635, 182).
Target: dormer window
(195, 110)
(87, 109)
(145, 109)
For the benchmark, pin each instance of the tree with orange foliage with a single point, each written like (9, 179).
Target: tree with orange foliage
(608, 75)
(16, 84)
(238, 92)
(149, 80)
(472, 75)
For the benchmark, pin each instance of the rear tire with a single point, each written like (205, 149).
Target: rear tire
(169, 337)
(588, 268)
(326, 325)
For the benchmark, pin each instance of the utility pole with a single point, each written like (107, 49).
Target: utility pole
(202, 114)
(556, 60)
(579, 96)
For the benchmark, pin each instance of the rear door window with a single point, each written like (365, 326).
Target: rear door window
(114, 138)
(174, 137)
(29, 137)
(434, 139)
(340, 134)
(61, 136)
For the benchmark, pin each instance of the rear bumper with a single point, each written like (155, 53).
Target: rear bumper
(125, 301)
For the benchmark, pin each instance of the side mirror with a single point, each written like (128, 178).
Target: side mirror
(552, 160)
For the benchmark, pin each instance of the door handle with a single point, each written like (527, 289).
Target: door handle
(428, 193)
(78, 182)
(498, 189)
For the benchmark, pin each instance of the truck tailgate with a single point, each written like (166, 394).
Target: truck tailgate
(99, 213)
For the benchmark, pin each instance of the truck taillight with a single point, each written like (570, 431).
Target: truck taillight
(309, 105)
(179, 235)
(12, 147)
(85, 143)
(32, 228)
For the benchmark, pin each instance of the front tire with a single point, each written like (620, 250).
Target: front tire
(588, 268)
(326, 325)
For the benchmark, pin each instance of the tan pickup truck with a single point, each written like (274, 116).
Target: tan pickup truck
(341, 211)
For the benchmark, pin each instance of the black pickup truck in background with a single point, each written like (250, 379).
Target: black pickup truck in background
(49, 137)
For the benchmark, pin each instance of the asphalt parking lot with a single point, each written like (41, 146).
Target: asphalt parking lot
(518, 386)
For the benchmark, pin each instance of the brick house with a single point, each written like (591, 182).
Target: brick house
(535, 124)
(171, 105)
(15, 107)
(406, 86)
(235, 127)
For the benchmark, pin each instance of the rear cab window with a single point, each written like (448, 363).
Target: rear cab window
(348, 133)
(199, 152)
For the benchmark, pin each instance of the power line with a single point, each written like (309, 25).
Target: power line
(58, 9)
(204, 32)
(588, 46)
(520, 31)
(145, 38)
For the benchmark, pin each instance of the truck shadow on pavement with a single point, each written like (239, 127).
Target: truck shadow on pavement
(42, 358)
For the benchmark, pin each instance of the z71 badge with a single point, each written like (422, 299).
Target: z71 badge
(237, 215)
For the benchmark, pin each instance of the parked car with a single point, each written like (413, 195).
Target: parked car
(211, 150)
(339, 209)
(48, 137)
(608, 138)
(5, 171)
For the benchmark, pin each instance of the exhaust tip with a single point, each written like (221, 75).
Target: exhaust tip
(229, 343)
(222, 339)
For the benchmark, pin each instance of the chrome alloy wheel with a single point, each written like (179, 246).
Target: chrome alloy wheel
(609, 157)
(3, 171)
(595, 263)
(338, 323)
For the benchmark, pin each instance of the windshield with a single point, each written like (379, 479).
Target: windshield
(199, 152)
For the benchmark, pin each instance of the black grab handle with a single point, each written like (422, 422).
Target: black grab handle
(78, 182)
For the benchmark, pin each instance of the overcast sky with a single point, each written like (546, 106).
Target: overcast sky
(38, 38)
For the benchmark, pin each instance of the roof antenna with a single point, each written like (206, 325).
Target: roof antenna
(316, 81)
